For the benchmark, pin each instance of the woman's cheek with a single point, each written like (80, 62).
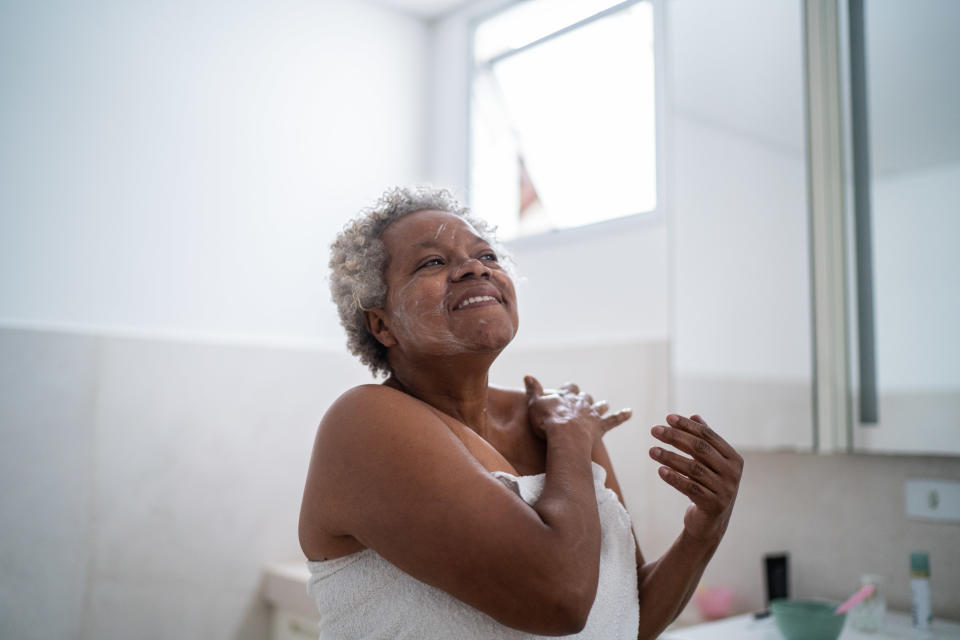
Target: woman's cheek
(422, 320)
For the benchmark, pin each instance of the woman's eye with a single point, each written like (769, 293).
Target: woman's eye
(490, 256)
(432, 262)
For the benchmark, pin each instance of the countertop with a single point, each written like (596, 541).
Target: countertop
(896, 626)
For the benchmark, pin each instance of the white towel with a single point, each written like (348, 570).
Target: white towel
(364, 596)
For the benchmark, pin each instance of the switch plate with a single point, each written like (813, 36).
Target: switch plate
(929, 499)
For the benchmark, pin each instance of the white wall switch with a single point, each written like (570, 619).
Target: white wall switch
(929, 499)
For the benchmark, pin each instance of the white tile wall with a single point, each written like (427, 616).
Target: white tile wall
(46, 464)
(151, 480)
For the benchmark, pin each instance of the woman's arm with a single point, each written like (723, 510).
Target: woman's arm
(389, 472)
(710, 477)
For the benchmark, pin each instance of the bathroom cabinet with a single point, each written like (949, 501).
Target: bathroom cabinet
(814, 174)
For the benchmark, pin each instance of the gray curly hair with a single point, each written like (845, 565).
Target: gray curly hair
(358, 259)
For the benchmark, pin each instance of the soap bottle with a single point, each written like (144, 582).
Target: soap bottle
(920, 590)
(869, 614)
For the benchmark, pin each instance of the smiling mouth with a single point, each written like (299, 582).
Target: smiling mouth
(476, 301)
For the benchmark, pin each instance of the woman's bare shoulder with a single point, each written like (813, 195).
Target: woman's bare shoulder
(366, 414)
(362, 429)
(367, 400)
(365, 392)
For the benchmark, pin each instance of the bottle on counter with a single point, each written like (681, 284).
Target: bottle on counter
(870, 613)
(920, 590)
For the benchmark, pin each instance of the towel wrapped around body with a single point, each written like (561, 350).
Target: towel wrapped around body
(364, 596)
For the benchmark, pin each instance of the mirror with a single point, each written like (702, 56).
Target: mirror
(905, 135)
(742, 261)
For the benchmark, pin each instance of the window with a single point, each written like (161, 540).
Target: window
(562, 114)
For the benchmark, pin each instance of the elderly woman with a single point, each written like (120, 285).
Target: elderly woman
(439, 506)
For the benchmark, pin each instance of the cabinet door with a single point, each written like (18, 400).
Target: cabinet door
(907, 390)
(740, 295)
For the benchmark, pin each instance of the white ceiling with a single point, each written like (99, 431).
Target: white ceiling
(426, 9)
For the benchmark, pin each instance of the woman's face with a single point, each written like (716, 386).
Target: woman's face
(447, 292)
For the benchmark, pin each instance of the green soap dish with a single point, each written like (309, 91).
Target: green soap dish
(807, 619)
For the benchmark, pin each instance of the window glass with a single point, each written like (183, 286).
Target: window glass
(563, 131)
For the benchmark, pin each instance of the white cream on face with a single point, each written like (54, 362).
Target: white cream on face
(429, 323)
(426, 316)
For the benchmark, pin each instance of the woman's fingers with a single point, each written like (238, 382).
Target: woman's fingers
(698, 448)
(700, 441)
(534, 390)
(713, 463)
(710, 477)
(692, 469)
(566, 402)
(570, 388)
(706, 490)
(698, 427)
(698, 494)
(616, 419)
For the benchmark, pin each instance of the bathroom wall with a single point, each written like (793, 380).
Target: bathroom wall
(838, 517)
(170, 177)
(183, 167)
(148, 480)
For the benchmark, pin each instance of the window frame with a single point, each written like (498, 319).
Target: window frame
(596, 229)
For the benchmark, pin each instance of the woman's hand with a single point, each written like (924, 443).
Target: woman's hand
(566, 407)
(710, 478)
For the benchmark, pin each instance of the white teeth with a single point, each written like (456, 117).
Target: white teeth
(475, 299)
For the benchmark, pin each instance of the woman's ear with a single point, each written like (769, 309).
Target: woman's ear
(377, 326)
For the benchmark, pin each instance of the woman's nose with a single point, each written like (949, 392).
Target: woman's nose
(471, 268)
